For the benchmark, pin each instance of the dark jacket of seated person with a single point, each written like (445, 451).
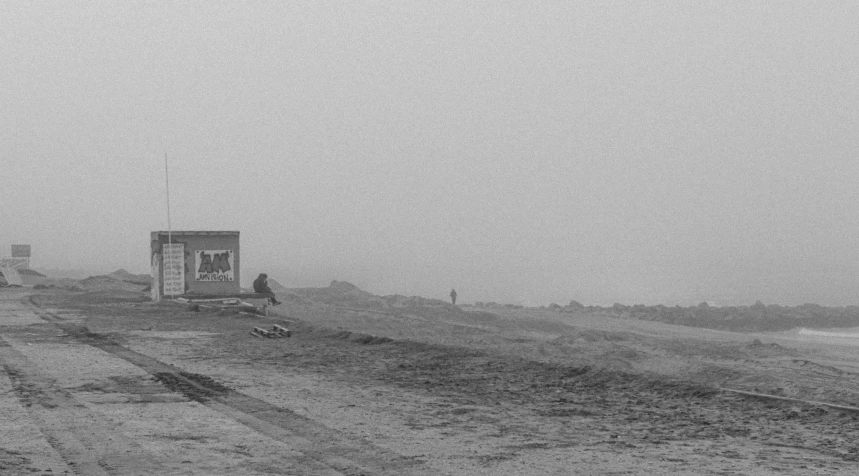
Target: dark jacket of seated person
(261, 286)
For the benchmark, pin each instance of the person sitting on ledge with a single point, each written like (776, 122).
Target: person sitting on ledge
(261, 287)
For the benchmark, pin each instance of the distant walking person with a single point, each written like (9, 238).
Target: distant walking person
(261, 286)
(453, 296)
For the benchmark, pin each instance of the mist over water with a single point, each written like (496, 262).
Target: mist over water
(653, 153)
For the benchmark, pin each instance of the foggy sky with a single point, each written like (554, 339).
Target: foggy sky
(532, 152)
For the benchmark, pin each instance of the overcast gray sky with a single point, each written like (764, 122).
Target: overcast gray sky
(534, 152)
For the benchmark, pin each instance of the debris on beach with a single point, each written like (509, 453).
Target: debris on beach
(275, 332)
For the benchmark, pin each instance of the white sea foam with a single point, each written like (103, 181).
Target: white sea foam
(852, 333)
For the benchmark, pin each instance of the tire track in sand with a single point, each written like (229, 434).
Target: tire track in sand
(320, 444)
(86, 441)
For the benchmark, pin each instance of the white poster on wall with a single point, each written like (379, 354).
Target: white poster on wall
(174, 269)
(214, 265)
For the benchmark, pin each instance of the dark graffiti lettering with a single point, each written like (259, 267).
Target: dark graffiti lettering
(213, 277)
(205, 263)
(221, 262)
(214, 263)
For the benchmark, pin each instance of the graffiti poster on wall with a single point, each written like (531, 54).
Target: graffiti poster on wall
(214, 265)
(174, 269)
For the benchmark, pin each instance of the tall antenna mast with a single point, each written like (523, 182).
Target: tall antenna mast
(167, 176)
(169, 225)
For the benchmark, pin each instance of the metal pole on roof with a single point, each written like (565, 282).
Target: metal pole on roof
(169, 227)
(167, 176)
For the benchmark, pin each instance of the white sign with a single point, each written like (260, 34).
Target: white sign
(174, 269)
(214, 265)
(156, 277)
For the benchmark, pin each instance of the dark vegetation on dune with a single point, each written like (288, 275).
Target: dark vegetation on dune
(343, 294)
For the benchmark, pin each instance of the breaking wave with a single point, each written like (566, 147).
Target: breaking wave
(846, 333)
